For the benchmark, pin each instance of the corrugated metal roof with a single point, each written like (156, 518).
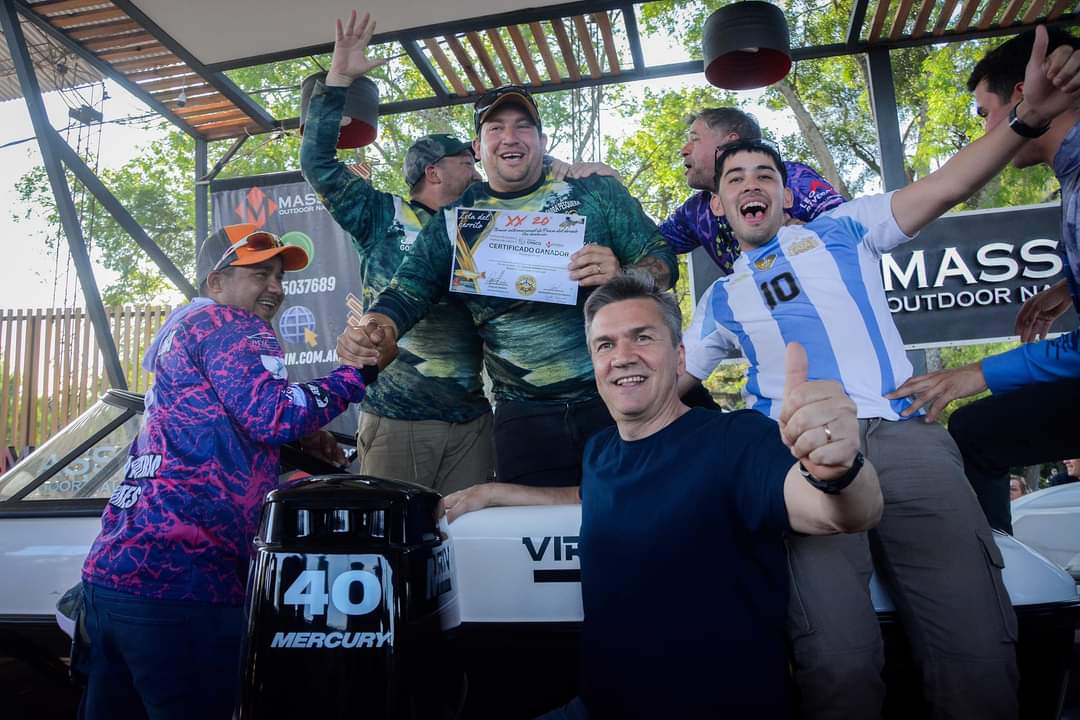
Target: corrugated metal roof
(56, 68)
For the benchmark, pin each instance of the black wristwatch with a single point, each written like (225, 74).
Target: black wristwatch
(835, 487)
(1021, 128)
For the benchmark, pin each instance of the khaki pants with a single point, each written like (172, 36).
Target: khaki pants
(440, 455)
(936, 554)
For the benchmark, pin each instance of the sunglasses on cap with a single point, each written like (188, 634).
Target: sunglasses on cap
(492, 98)
(256, 241)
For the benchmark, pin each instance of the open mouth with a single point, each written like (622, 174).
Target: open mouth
(753, 211)
(630, 380)
(268, 303)
(511, 157)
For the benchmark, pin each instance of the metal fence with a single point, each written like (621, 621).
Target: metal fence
(52, 369)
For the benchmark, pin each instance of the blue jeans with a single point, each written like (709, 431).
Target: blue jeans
(160, 659)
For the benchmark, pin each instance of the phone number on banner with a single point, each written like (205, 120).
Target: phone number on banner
(326, 283)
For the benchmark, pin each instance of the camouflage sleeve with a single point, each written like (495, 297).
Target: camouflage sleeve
(249, 376)
(635, 238)
(422, 278)
(361, 210)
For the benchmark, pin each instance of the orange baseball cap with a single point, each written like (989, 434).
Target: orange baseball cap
(244, 244)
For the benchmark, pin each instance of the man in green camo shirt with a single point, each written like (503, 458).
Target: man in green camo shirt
(535, 353)
(428, 420)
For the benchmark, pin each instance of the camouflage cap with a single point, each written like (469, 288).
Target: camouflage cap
(429, 150)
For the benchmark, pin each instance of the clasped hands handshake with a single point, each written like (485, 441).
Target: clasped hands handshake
(369, 339)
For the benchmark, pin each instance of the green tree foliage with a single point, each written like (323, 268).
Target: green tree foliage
(827, 97)
(157, 187)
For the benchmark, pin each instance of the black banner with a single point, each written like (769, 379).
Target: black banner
(314, 311)
(964, 278)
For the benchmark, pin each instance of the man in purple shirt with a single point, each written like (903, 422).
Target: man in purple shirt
(164, 580)
(1030, 417)
(698, 221)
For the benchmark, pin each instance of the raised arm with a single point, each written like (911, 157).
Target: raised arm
(352, 201)
(1050, 88)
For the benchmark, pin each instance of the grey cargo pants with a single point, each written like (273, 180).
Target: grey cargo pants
(937, 556)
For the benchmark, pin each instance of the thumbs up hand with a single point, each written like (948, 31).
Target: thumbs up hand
(1051, 81)
(817, 420)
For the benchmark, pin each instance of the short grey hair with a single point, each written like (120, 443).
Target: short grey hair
(730, 119)
(635, 285)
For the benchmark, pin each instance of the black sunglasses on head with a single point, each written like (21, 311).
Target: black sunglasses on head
(488, 99)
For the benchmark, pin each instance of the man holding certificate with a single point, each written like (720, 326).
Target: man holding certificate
(429, 422)
(516, 250)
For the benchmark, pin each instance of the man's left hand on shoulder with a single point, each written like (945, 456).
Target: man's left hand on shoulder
(594, 265)
(817, 421)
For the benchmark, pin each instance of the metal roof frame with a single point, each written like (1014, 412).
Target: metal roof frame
(246, 116)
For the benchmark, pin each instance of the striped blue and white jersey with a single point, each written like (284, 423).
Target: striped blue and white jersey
(817, 284)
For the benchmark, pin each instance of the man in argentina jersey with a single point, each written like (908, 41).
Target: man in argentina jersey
(534, 352)
(164, 580)
(1043, 375)
(698, 221)
(819, 285)
(427, 421)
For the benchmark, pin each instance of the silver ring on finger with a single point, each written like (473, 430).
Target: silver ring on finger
(828, 433)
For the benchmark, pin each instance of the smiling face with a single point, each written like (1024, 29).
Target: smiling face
(511, 148)
(699, 153)
(255, 288)
(635, 360)
(753, 197)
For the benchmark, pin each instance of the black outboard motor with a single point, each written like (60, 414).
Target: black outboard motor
(351, 595)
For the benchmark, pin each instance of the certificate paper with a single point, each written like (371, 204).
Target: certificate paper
(517, 255)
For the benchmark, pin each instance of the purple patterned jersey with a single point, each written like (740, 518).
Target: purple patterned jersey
(693, 224)
(180, 525)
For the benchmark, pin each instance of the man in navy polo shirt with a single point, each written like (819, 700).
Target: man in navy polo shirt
(684, 578)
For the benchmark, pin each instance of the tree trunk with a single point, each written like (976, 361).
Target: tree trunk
(813, 137)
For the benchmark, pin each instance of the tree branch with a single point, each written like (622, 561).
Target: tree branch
(812, 134)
